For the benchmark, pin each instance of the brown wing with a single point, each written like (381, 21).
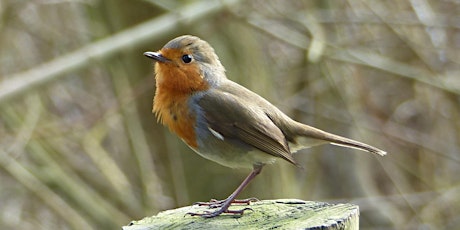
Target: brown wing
(246, 122)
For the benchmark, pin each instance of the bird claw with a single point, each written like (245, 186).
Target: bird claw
(246, 201)
(213, 203)
(222, 206)
(208, 214)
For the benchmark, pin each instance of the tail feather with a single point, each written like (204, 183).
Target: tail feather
(314, 133)
(361, 146)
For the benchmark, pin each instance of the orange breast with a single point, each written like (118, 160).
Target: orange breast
(174, 87)
(176, 115)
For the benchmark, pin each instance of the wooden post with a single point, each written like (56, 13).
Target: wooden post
(266, 214)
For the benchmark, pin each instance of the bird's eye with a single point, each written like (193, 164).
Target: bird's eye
(187, 58)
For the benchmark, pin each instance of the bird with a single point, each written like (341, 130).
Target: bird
(222, 120)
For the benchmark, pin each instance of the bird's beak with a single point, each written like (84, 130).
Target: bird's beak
(156, 56)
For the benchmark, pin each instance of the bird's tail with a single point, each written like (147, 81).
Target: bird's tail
(314, 133)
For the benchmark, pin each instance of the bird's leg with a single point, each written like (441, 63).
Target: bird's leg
(224, 204)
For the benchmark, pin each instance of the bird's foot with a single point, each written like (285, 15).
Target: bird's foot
(208, 214)
(222, 206)
(213, 203)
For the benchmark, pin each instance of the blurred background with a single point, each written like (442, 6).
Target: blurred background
(81, 149)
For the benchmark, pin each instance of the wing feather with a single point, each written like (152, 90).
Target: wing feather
(226, 114)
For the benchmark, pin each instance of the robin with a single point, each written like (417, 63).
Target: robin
(223, 121)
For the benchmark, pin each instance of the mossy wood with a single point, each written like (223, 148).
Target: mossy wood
(266, 214)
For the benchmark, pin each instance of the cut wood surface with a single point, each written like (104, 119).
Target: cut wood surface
(266, 214)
